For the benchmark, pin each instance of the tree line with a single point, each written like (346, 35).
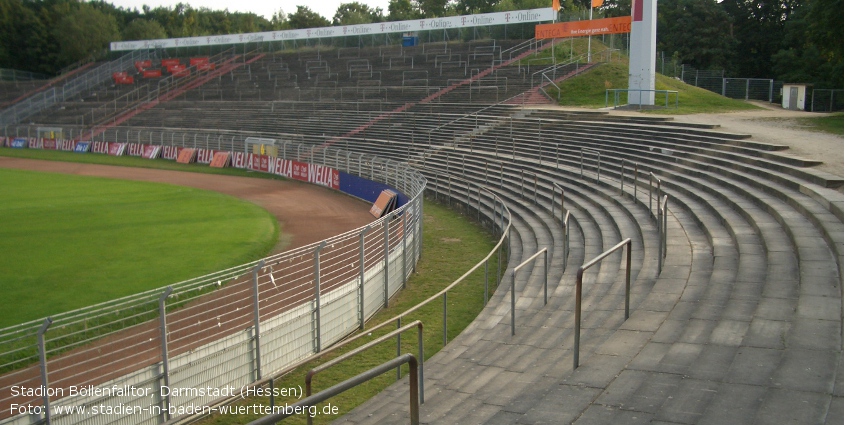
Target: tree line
(788, 40)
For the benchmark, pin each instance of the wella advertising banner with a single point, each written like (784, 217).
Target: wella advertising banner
(204, 156)
(117, 149)
(170, 152)
(135, 149)
(450, 22)
(67, 145)
(100, 147)
(151, 152)
(49, 144)
(618, 25)
(312, 173)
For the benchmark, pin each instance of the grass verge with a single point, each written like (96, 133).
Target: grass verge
(73, 241)
(832, 123)
(589, 90)
(452, 245)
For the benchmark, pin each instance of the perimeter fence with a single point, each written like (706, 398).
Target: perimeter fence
(227, 329)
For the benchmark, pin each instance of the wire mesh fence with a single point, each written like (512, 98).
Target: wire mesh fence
(826, 100)
(157, 355)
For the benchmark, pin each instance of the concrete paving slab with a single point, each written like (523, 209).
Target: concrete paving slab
(754, 366)
(793, 407)
(688, 402)
(815, 334)
(767, 334)
(819, 307)
(776, 308)
(712, 363)
(834, 412)
(807, 370)
(639, 390)
(597, 371)
(729, 332)
(603, 415)
(734, 404)
(562, 404)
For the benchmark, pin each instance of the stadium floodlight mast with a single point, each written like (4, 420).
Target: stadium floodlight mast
(643, 53)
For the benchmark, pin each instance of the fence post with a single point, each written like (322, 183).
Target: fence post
(545, 277)
(445, 337)
(404, 248)
(513, 302)
(256, 318)
(165, 364)
(318, 335)
(386, 260)
(42, 358)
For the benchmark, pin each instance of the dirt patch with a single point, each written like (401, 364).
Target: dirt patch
(450, 240)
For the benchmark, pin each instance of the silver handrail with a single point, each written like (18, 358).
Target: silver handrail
(579, 283)
(564, 220)
(309, 377)
(662, 230)
(545, 253)
(298, 407)
(598, 164)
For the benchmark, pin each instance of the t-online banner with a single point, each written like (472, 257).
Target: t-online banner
(450, 22)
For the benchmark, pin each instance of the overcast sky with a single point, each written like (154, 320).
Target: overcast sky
(265, 8)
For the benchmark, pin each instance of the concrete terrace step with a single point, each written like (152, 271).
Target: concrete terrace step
(749, 282)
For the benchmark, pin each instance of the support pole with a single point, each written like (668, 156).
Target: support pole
(165, 364)
(42, 357)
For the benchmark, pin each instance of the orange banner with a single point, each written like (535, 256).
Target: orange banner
(583, 28)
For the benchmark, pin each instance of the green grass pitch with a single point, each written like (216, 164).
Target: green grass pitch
(68, 242)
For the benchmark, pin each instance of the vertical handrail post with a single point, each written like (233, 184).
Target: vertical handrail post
(513, 302)
(404, 248)
(628, 280)
(579, 277)
(445, 340)
(361, 269)
(165, 364)
(398, 347)
(318, 329)
(545, 277)
(386, 260)
(622, 178)
(42, 358)
(257, 318)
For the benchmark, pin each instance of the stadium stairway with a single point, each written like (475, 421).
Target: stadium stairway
(742, 325)
(534, 96)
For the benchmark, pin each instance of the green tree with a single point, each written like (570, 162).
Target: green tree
(695, 31)
(142, 29)
(466, 7)
(432, 8)
(508, 5)
(402, 10)
(85, 31)
(356, 13)
(759, 28)
(279, 21)
(306, 18)
(808, 54)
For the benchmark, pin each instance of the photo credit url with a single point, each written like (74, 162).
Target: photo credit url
(158, 405)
